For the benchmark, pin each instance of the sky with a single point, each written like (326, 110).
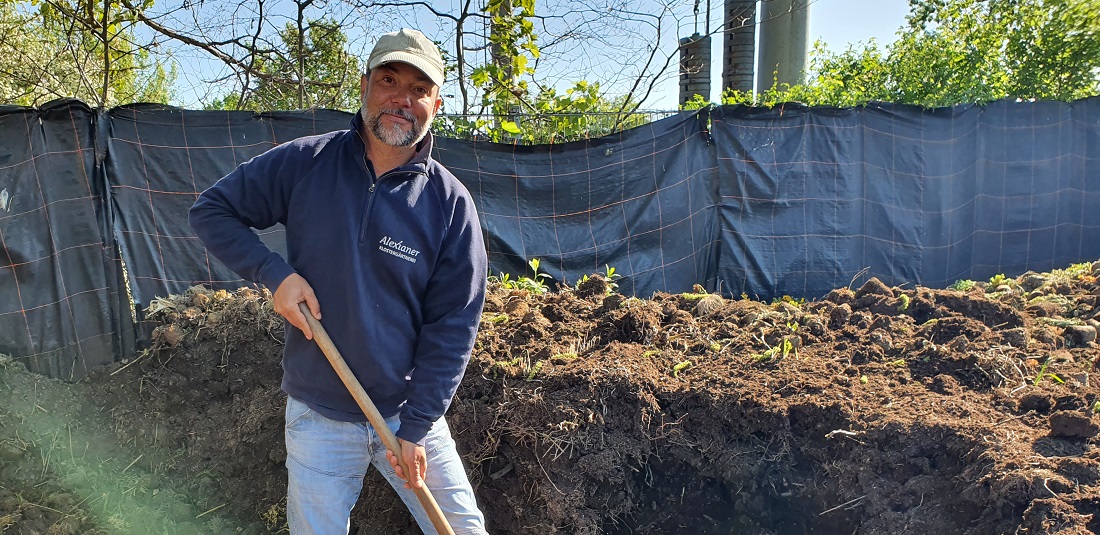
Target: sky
(838, 23)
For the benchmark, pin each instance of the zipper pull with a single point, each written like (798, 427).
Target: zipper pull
(371, 189)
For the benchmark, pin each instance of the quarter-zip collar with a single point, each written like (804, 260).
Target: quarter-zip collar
(418, 164)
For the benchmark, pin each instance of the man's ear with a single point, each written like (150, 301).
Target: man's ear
(363, 80)
(438, 105)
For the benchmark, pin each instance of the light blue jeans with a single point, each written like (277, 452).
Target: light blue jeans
(327, 460)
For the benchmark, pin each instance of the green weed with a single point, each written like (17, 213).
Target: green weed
(964, 285)
(534, 371)
(790, 300)
(679, 367)
(1043, 373)
(564, 357)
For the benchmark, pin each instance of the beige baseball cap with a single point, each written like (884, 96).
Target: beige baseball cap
(411, 47)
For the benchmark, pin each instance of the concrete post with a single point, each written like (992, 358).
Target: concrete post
(784, 42)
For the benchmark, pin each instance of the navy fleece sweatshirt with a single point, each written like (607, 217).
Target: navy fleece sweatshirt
(397, 263)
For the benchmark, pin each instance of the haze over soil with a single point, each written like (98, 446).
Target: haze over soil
(874, 411)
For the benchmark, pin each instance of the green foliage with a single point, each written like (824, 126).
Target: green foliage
(533, 284)
(697, 102)
(564, 357)
(679, 367)
(513, 43)
(960, 51)
(1043, 373)
(534, 370)
(499, 319)
(790, 300)
(74, 49)
(610, 275)
(903, 303)
(318, 72)
(962, 285)
(780, 350)
(997, 280)
(547, 117)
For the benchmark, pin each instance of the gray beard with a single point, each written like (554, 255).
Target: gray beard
(396, 137)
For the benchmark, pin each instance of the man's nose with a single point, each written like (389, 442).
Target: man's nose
(403, 98)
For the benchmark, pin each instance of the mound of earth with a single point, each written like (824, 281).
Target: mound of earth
(875, 411)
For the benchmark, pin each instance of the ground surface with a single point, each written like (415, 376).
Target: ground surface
(873, 411)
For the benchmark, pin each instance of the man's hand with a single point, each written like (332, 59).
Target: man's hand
(293, 290)
(413, 456)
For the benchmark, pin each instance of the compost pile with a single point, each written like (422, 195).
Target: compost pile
(875, 410)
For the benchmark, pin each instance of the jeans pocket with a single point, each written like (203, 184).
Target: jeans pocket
(295, 412)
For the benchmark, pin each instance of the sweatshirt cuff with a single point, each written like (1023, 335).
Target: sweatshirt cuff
(275, 272)
(413, 432)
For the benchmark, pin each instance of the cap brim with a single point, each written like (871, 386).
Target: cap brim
(433, 73)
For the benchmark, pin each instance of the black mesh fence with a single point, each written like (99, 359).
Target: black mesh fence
(790, 200)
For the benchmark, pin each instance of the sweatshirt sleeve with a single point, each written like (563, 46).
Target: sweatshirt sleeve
(255, 195)
(452, 310)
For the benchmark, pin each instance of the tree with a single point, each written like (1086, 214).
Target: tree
(313, 69)
(77, 49)
(962, 51)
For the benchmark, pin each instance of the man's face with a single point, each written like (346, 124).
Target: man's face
(399, 103)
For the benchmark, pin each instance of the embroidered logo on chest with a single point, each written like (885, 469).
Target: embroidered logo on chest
(398, 248)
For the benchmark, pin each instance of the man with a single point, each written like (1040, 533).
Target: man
(386, 243)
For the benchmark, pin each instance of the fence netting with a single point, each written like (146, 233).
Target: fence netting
(767, 202)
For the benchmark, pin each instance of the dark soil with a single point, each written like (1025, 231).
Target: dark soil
(875, 411)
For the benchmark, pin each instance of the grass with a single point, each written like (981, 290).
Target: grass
(1043, 373)
(564, 357)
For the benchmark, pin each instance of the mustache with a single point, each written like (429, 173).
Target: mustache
(404, 114)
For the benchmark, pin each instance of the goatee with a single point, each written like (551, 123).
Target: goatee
(396, 137)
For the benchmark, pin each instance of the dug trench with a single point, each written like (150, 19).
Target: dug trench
(874, 411)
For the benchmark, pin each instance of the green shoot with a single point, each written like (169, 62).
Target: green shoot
(498, 319)
(610, 275)
(964, 285)
(790, 300)
(1043, 373)
(904, 303)
(534, 371)
(998, 280)
(680, 367)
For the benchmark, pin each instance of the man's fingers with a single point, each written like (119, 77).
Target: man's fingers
(299, 320)
(418, 474)
(293, 291)
(314, 306)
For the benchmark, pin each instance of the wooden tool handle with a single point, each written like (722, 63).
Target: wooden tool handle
(373, 416)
